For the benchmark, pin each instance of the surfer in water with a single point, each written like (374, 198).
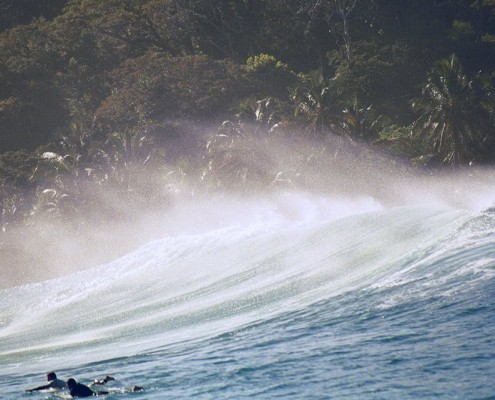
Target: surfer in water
(53, 383)
(80, 390)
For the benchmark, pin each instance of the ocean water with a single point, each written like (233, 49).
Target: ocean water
(328, 299)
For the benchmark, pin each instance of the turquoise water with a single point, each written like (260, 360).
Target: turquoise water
(359, 301)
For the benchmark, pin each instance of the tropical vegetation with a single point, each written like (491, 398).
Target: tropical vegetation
(146, 98)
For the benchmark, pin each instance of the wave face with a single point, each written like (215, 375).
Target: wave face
(327, 299)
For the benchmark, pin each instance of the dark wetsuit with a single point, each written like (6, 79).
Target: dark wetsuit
(80, 390)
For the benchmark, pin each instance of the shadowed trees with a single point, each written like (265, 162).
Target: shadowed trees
(97, 91)
(453, 118)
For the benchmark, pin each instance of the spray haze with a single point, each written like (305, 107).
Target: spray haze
(234, 178)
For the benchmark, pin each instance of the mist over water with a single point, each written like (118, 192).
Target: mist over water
(349, 276)
(329, 178)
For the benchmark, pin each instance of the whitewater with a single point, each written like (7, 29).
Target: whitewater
(298, 296)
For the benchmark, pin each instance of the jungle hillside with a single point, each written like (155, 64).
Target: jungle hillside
(109, 108)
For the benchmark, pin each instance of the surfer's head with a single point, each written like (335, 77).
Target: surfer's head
(51, 376)
(71, 383)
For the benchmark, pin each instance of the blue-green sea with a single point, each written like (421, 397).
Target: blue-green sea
(333, 299)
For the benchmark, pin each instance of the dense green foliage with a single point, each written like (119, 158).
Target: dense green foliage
(93, 93)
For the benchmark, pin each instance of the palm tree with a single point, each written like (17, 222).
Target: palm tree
(320, 104)
(327, 107)
(128, 151)
(235, 158)
(453, 119)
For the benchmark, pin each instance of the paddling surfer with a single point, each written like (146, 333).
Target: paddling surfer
(53, 383)
(79, 390)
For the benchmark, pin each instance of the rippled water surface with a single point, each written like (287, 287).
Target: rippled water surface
(372, 303)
